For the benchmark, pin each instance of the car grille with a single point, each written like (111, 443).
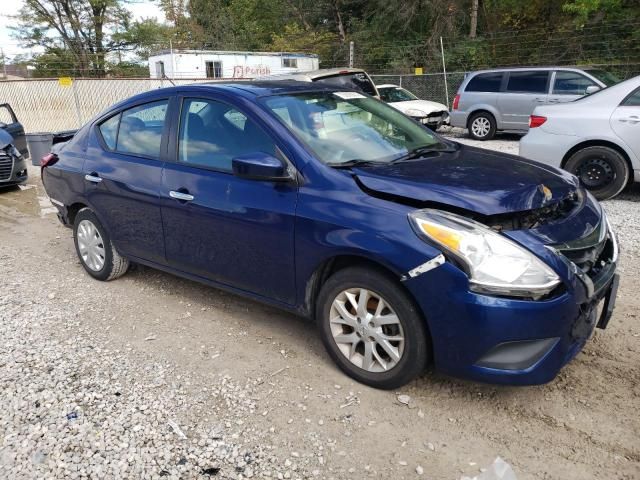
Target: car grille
(6, 166)
(437, 115)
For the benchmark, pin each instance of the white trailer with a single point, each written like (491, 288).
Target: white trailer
(221, 65)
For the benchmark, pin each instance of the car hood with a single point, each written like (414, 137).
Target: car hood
(425, 105)
(5, 139)
(470, 179)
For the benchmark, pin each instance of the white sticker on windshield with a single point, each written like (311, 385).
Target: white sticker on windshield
(348, 95)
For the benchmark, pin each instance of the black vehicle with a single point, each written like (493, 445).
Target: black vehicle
(13, 166)
(10, 124)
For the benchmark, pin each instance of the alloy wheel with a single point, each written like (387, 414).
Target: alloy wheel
(366, 330)
(90, 245)
(481, 127)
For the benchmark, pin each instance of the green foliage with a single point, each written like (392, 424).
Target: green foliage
(98, 37)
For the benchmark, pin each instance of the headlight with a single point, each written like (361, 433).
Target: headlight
(413, 112)
(15, 152)
(495, 264)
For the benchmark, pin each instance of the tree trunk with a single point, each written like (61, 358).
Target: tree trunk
(341, 32)
(474, 19)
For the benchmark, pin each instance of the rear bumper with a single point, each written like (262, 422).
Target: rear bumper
(501, 340)
(18, 174)
(545, 147)
(458, 118)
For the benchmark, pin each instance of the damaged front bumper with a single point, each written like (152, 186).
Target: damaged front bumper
(518, 341)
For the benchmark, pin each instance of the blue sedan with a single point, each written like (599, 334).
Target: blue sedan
(405, 248)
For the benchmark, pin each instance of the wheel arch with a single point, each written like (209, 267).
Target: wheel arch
(483, 109)
(73, 209)
(333, 264)
(599, 143)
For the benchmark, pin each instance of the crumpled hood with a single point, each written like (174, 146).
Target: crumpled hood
(425, 105)
(5, 139)
(472, 179)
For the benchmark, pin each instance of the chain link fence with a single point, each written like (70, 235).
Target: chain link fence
(431, 86)
(46, 106)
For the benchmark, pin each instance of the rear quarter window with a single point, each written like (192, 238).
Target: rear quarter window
(632, 100)
(109, 131)
(485, 82)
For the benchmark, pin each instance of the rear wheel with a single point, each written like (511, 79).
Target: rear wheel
(602, 170)
(482, 126)
(371, 328)
(96, 253)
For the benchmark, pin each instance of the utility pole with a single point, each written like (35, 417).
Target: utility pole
(351, 48)
(473, 30)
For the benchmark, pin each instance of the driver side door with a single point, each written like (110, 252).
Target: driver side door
(231, 230)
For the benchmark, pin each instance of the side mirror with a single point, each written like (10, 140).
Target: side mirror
(260, 166)
(592, 89)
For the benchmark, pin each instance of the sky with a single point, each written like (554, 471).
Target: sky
(139, 8)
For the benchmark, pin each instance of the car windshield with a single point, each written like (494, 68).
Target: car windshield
(396, 94)
(605, 77)
(348, 127)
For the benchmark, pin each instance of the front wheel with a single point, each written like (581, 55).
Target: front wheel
(96, 253)
(602, 170)
(371, 328)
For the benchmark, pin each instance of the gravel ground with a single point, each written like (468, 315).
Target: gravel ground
(152, 376)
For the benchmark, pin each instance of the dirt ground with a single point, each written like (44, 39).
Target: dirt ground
(583, 425)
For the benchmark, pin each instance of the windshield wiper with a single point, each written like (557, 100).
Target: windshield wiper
(422, 151)
(355, 163)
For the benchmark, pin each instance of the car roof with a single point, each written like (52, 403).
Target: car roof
(538, 68)
(313, 74)
(244, 88)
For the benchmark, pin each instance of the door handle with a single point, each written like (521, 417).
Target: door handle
(540, 100)
(184, 197)
(93, 178)
(633, 119)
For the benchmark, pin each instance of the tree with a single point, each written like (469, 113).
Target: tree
(81, 27)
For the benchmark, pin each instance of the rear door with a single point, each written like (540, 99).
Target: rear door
(123, 174)
(9, 123)
(568, 86)
(231, 230)
(524, 91)
(625, 121)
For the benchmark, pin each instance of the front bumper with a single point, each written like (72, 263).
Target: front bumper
(513, 341)
(18, 173)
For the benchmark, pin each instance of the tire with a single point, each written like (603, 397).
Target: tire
(99, 257)
(482, 126)
(602, 170)
(412, 353)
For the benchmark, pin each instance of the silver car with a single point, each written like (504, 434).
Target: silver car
(597, 138)
(502, 100)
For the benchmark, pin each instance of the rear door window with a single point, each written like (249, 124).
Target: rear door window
(632, 100)
(141, 127)
(528, 82)
(352, 81)
(485, 82)
(571, 83)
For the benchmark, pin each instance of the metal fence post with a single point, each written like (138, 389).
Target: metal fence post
(351, 48)
(444, 73)
(77, 102)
